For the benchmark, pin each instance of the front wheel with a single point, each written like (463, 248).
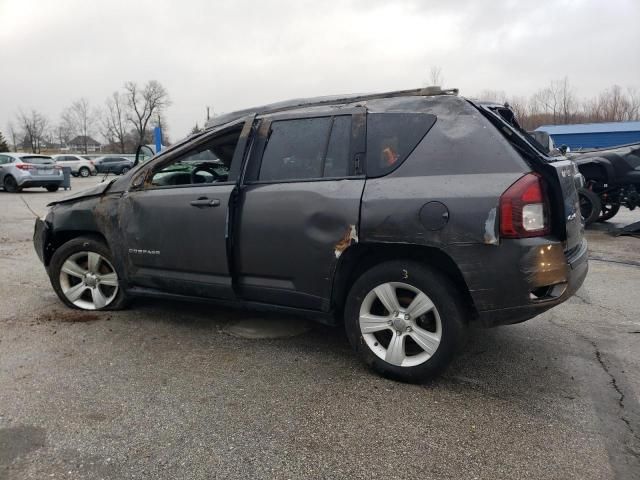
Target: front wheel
(52, 188)
(590, 206)
(124, 170)
(84, 172)
(83, 275)
(609, 210)
(405, 320)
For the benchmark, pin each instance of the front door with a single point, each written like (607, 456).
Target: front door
(299, 208)
(176, 221)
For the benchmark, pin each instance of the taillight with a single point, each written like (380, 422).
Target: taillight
(25, 166)
(524, 210)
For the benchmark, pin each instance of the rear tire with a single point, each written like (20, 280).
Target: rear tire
(420, 340)
(124, 170)
(10, 184)
(83, 275)
(590, 206)
(52, 188)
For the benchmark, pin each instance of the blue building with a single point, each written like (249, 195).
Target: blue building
(593, 135)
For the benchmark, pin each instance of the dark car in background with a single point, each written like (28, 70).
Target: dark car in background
(109, 164)
(404, 216)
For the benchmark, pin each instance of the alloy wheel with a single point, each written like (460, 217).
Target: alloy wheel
(400, 324)
(88, 280)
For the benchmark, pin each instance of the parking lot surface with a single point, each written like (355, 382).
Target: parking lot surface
(162, 390)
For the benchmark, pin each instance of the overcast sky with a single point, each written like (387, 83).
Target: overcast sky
(235, 54)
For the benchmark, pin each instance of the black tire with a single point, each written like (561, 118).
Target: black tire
(76, 246)
(52, 188)
(84, 172)
(590, 206)
(10, 185)
(608, 211)
(444, 295)
(124, 170)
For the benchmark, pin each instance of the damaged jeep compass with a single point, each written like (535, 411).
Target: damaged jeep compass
(405, 216)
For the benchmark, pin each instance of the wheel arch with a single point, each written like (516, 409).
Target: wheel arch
(360, 257)
(60, 237)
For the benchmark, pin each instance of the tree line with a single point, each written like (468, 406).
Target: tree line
(124, 121)
(559, 104)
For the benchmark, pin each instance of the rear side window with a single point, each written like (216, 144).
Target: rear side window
(307, 148)
(391, 137)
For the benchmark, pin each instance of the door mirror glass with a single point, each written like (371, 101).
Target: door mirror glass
(143, 154)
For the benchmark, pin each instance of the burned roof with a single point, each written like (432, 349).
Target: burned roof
(325, 101)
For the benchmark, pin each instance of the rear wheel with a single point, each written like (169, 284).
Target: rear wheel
(124, 170)
(590, 206)
(52, 188)
(84, 172)
(405, 320)
(10, 184)
(83, 275)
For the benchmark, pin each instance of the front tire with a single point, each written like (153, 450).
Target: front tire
(52, 188)
(83, 275)
(590, 206)
(609, 210)
(405, 320)
(124, 170)
(84, 172)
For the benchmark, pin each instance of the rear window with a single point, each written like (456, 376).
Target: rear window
(391, 137)
(37, 160)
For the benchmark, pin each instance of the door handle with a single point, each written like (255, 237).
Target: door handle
(205, 202)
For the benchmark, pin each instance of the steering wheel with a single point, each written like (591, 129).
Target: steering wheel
(205, 168)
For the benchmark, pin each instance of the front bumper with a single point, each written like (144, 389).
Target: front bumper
(577, 266)
(41, 237)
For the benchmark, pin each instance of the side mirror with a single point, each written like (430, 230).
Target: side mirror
(563, 149)
(143, 154)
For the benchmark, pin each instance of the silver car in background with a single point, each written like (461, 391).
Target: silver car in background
(79, 165)
(24, 170)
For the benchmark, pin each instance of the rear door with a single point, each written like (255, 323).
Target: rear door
(299, 207)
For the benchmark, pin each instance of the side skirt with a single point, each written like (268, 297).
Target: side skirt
(326, 318)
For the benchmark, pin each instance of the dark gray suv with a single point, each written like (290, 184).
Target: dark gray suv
(405, 215)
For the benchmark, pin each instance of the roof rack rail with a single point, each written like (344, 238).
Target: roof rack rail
(330, 100)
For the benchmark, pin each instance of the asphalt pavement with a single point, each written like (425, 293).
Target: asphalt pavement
(163, 390)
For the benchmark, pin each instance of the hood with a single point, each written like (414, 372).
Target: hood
(96, 191)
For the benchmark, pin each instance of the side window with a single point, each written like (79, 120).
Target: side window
(336, 163)
(207, 163)
(4, 159)
(307, 148)
(391, 137)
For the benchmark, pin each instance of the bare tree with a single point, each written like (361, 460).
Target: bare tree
(33, 126)
(115, 119)
(80, 119)
(13, 134)
(435, 76)
(144, 104)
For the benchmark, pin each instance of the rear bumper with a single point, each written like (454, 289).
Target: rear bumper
(576, 268)
(30, 180)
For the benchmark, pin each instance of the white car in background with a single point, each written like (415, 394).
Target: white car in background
(80, 166)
